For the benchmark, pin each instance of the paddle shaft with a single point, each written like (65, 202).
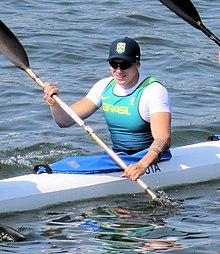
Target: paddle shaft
(207, 32)
(90, 131)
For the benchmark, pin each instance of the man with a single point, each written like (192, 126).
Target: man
(136, 107)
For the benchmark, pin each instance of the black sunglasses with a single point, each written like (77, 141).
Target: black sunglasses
(123, 65)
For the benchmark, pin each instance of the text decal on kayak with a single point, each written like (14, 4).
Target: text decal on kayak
(153, 169)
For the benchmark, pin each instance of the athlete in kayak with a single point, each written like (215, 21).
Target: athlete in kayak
(136, 107)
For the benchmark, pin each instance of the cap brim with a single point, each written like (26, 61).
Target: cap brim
(126, 58)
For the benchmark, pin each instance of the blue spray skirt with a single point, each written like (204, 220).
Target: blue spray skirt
(93, 164)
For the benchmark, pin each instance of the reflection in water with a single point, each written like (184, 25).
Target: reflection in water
(115, 230)
(68, 45)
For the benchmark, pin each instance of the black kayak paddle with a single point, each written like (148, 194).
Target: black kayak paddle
(187, 11)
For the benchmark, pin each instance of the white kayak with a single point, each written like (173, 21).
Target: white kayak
(189, 164)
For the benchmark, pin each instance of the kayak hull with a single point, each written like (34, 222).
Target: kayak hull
(189, 164)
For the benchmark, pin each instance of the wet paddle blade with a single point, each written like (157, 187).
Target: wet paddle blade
(161, 198)
(12, 48)
(8, 234)
(165, 201)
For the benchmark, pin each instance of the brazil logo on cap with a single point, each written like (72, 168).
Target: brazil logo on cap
(120, 47)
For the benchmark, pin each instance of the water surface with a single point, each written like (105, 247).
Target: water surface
(67, 43)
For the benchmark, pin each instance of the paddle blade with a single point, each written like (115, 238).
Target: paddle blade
(8, 234)
(185, 10)
(165, 201)
(12, 48)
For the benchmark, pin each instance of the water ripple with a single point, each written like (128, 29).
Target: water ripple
(67, 43)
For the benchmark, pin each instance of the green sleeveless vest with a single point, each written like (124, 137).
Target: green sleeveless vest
(127, 129)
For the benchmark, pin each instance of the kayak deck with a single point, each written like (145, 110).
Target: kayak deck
(189, 164)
